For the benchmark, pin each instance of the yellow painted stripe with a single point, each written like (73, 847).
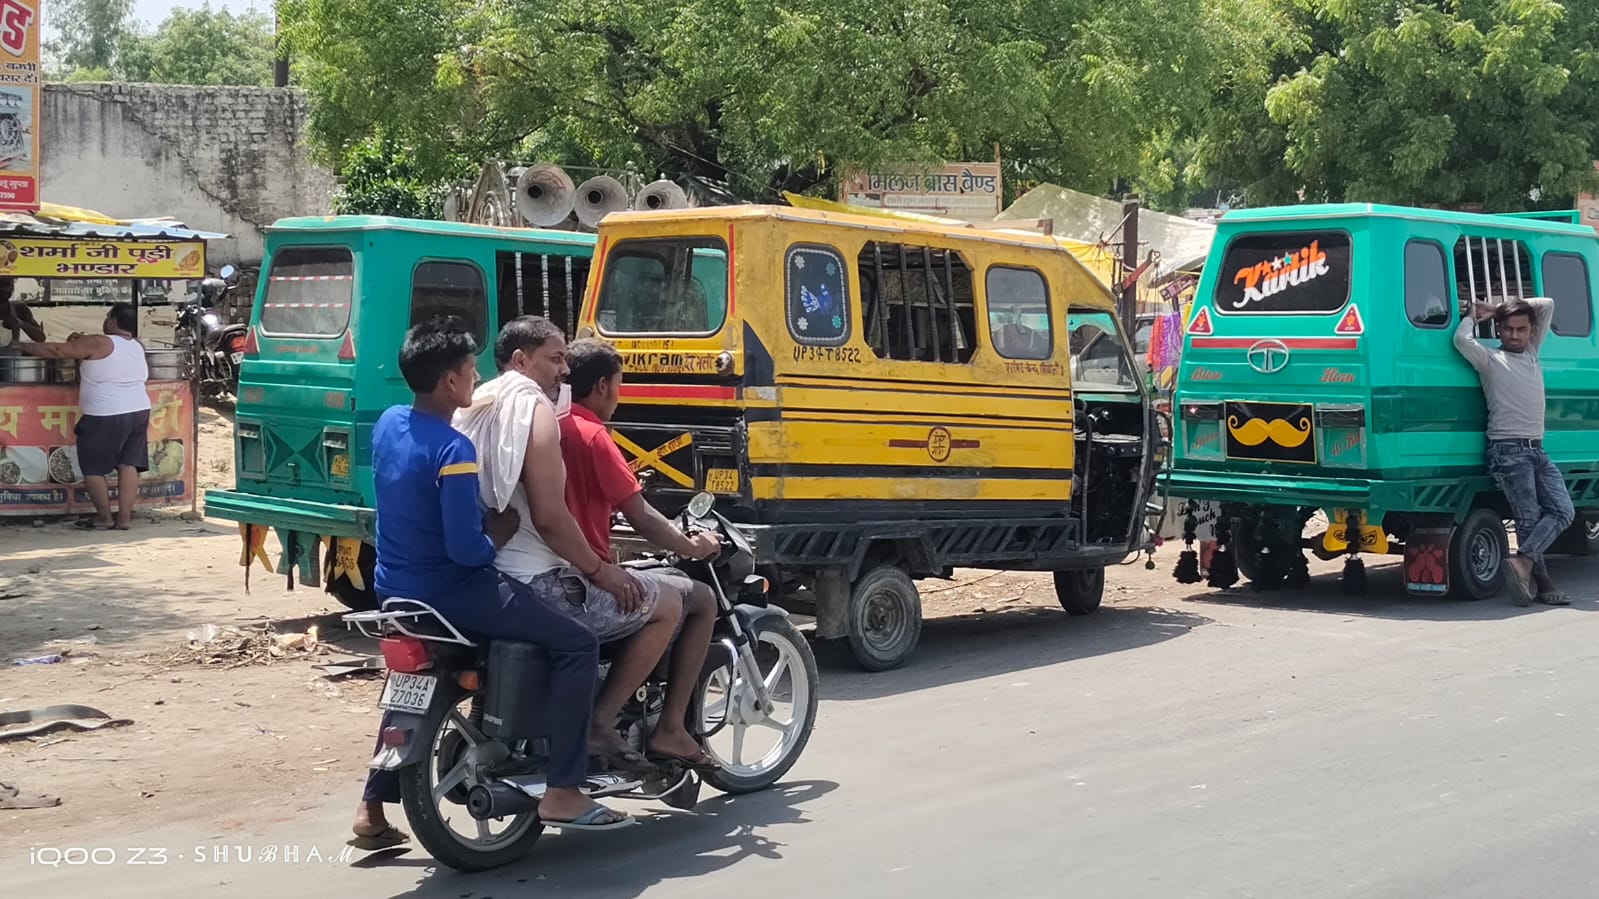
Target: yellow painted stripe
(458, 468)
(866, 443)
(920, 489)
(857, 418)
(980, 381)
(890, 399)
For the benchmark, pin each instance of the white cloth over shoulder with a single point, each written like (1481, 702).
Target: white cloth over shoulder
(498, 423)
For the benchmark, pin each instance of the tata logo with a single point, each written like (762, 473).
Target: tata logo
(1334, 376)
(1205, 374)
(1268, 356)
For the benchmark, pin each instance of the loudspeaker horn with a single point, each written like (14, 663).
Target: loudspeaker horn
(598, 197)
(661, 194)
(545, 195)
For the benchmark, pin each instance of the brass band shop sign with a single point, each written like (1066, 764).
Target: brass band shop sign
(39, 257)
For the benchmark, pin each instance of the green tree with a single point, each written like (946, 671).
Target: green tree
(765, 96)
(382, 177)
(201, 46)
(89, 32)
(1452, 102)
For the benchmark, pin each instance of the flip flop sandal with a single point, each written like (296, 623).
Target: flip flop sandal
(587, 821)
(89, 524)
(1554, 599)
(387, 838)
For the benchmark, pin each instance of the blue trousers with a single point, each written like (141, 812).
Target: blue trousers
(1536, 492)
(505, 609)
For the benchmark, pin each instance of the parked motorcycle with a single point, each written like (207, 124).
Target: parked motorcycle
(216, 349)
(463, 721)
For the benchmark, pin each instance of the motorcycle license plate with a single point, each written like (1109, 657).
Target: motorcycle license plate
(238, 358)
(408, 692)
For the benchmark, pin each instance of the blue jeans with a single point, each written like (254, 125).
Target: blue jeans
(1537, 495)
(509, 610)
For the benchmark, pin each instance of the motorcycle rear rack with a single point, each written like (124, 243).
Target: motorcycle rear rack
(390, 619)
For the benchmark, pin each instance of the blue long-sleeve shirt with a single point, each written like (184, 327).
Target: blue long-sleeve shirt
(429, 525)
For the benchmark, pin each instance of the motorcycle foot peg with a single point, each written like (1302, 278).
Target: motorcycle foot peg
(497, 800)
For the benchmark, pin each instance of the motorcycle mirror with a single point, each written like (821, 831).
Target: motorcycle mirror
(700, 506)
(227, 272)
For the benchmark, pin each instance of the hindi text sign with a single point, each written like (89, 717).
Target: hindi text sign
(969, 191)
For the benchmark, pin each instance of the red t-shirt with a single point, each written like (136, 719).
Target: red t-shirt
(598, 479)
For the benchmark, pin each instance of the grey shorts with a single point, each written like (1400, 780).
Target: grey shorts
(580, 598)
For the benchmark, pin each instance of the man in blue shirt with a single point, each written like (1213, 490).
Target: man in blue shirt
(436, 546)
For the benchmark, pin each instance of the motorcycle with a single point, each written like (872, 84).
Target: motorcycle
(216, 350)
(462, 716)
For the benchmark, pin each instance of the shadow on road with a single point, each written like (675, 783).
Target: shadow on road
(722, 832)
(970, 647)
(1385, 596)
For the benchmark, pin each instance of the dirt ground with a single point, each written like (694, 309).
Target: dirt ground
(251, 736)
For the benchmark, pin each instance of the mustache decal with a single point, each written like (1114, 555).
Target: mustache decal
(1256, 431)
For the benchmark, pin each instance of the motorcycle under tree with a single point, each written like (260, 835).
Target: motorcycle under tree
(216, 349)
(463, 718)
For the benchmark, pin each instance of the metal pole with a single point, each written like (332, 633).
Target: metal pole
(932, 309)
(1129, 293)
(280, 62)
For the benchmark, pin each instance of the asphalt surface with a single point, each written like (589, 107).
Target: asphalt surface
(1293, 745)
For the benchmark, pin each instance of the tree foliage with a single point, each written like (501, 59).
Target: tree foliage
(765, 96)
(97, 41)
(90, 32)
(382, 177)
(1453, 102)
(201, 46)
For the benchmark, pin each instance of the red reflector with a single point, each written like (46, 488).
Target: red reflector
(1351, 323)
(394, 736)
(347, 348)
(252, 347)
(405, 654)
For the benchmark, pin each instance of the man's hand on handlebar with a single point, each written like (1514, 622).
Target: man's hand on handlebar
(615, 580)
(702, 545)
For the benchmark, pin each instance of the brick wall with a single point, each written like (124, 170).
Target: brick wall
(229, 159)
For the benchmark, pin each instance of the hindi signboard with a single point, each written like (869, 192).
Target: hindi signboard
(20, 85)
(47, 257)
(969, 191)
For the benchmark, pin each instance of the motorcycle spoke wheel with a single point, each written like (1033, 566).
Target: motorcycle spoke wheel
(472, 834)
(755, 745)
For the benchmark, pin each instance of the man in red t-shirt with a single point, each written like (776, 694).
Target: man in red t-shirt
(599, 482)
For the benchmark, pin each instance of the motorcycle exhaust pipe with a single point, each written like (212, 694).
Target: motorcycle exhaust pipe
(497, 800)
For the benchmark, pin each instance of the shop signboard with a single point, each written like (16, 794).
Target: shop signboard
(20, 87)
(45, 257)
(39, 471)
(968, 191)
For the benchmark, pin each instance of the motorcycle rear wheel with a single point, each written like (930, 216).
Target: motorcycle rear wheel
(421, 797)
(789, 668)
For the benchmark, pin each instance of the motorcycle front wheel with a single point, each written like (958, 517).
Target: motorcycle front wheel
(756, 748)
(433, 796)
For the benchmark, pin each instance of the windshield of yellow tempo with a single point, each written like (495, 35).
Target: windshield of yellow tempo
(874, 400)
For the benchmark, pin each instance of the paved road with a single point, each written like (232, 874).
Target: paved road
(1315, 746)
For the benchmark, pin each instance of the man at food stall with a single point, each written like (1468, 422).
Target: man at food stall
(16, 320)
(114, 426)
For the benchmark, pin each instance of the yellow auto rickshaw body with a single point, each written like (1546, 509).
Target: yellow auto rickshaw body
(861, 392)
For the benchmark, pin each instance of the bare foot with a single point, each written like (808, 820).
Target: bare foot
(678, 743)
(369, 819)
